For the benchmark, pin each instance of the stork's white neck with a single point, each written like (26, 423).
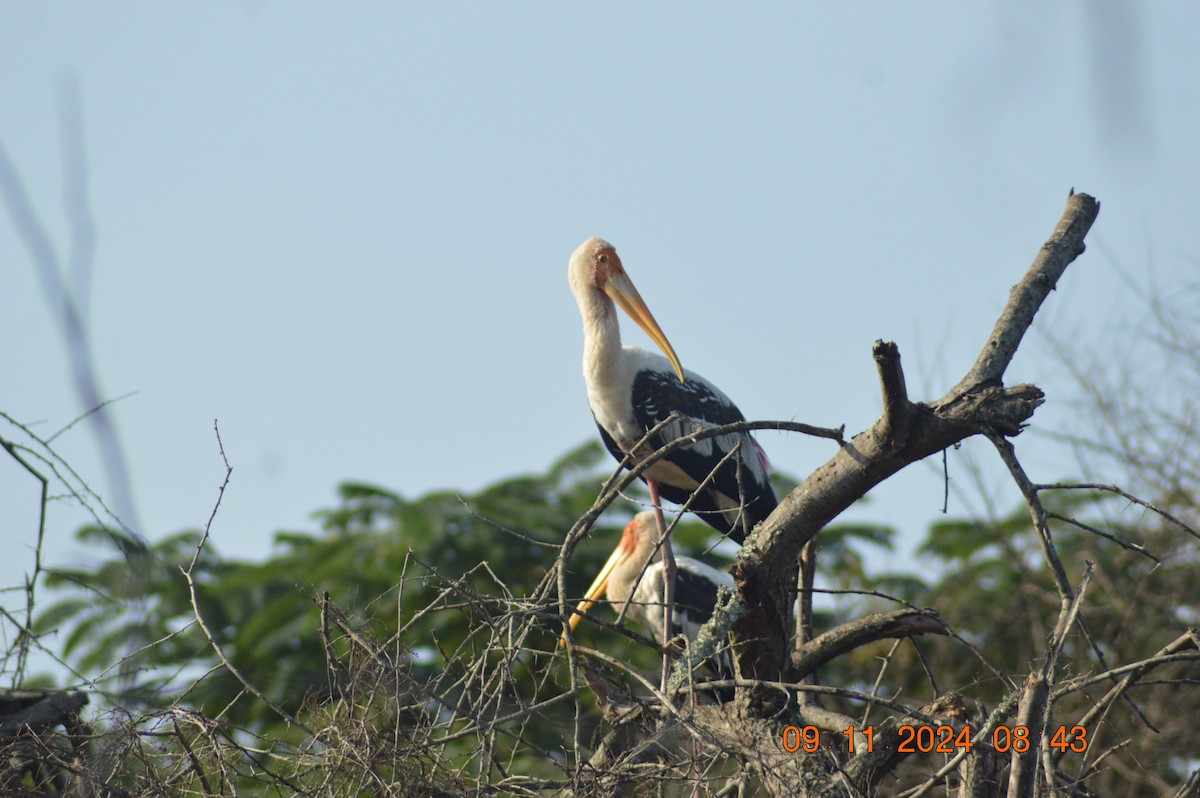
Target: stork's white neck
(601, 336)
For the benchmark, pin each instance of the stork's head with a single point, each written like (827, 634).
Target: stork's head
(596, 273)
(633, 550)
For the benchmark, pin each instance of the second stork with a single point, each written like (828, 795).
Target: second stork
(634, 584)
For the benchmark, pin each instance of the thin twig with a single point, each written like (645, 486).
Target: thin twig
(199, 616)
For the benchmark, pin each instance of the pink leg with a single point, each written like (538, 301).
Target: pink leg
(668, 561)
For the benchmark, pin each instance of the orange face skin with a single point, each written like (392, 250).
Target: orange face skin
(613, 281)
(625, 549)
(608, 263)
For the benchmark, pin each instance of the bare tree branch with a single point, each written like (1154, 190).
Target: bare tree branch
(63, 303)
(978, 404)
(849, 636)
(1063, 247)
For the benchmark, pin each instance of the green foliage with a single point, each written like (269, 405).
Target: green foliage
(405, 616)
(265, 615)
(317, 621)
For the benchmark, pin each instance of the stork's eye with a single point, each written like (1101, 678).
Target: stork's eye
(602, 259)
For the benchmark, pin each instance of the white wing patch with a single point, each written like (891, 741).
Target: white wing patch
(657, 394)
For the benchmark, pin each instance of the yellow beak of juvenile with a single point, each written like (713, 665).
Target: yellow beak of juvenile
(599, 586)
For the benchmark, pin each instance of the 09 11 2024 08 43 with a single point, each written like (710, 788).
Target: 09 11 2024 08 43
(925, 739)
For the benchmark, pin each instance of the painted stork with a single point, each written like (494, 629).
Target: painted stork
(640, 595)
(631, 391)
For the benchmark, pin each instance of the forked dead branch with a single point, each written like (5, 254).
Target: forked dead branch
(906, 432)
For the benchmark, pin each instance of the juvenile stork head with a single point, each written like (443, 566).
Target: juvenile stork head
(619, 576)
(697, 588)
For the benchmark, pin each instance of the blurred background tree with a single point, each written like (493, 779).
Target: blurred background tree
(380, 561)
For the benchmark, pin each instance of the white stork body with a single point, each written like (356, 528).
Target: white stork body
(636, 589)
(631, 391)
(696, 586)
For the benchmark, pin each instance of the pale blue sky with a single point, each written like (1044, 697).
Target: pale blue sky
(343, 230)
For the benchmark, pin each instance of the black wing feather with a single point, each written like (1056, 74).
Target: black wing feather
(656, 395)
(609, 442)
(695, 598)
